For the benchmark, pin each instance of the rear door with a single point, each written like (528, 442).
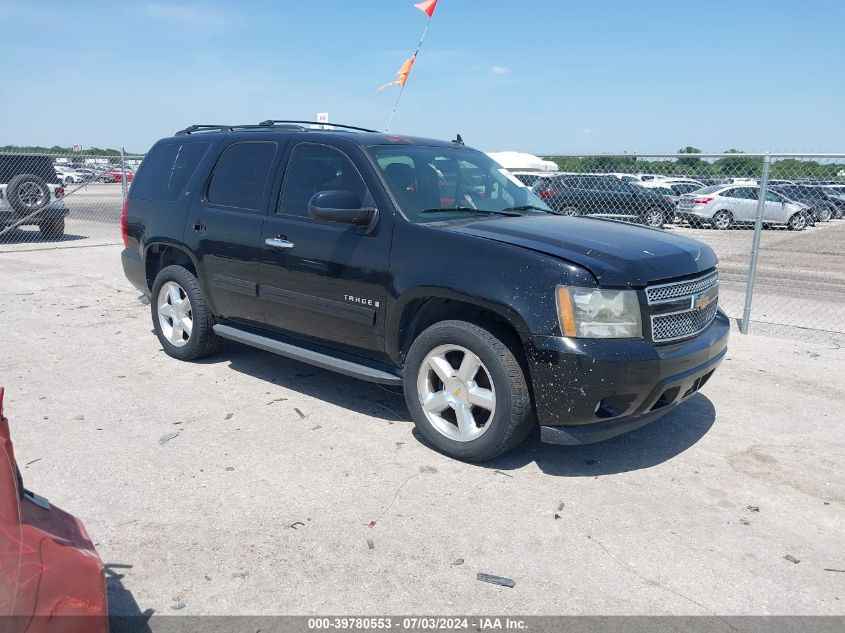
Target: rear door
(225, 224)
(326, 282)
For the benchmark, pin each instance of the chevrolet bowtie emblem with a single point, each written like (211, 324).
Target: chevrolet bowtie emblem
(702, 301)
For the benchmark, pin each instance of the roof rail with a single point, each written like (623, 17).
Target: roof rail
(273, 122)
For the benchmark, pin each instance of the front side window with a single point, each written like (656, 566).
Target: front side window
(315, 168)
(433, 184)
(771, 196)
(240, 176)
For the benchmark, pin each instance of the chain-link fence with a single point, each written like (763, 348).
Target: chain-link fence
(787, 209)
(776, 217)
(50, 200)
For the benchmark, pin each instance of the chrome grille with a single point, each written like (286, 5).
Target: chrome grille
(680, 325)
(691, 318)
(678, 289)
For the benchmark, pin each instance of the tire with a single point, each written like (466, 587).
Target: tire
(798, 222)
(498, 381)
(27, 193)
(181, 342)
(569, 211)
(722, 220)
(823, 214)
(52, 229)
(68, 180)
(653, 217)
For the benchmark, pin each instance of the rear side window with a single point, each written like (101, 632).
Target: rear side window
(167, 169)
(240, 176)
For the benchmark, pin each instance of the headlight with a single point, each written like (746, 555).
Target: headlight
(594, 313)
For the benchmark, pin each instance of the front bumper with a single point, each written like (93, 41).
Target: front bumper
(589, 390)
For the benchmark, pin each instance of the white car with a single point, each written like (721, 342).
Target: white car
(723, 206)
(68, 176)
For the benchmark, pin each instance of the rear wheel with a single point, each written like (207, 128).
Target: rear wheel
(722, 220)
(797, 222)
(52, 228)
(653, 217)
(182, 320)
(569, 210)
(466, 391)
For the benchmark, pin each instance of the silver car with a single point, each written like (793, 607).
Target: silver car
(723, 206)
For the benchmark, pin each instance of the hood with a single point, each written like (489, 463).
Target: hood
(617, 253)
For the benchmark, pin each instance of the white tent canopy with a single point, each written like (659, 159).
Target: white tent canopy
(520, 161)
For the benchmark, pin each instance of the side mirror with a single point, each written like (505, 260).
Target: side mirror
(340, 207)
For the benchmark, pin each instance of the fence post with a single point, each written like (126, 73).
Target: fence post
(122, 172)
(755, 244)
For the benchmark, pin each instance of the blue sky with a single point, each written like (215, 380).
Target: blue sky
(542, 75)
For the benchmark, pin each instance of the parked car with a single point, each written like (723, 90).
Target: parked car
(68, 176)
(820, 207)
(680, 186)
(528, 178)
(30, 194)
(660, 188)
(605, 196)
(724, 206)
(421, 263)
(51, 577)
(836, 198)
(105, 176)
(115, 175)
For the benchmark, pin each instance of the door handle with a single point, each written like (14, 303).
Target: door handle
(278, 242)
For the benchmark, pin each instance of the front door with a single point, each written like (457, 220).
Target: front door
(225, 224)
(323, 281)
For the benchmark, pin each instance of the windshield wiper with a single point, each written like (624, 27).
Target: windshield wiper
(450, 209)
(528, 207)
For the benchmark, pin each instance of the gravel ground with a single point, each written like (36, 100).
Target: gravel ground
(250, 484)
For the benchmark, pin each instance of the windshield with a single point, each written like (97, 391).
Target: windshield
(432, 184)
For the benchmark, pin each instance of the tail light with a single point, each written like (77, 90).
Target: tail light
(123, 223)
(702, 200)
(545, 193)
(59, 192)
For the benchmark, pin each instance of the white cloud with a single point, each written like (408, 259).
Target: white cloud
(586, 130)
(187, 14)
(499, 70)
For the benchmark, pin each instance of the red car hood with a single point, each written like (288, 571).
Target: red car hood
(48, 565)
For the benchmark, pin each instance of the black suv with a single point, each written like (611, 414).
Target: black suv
(420, 263)
(605, 196)
(30, 194)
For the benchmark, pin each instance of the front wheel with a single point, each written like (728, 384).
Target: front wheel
(182, 320)
(797, 222)
(466, 391)
(824, 214)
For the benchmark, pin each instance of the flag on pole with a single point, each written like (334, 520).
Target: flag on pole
(427, 7)
(402, 74)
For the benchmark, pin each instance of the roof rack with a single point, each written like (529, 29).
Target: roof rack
(274, 122)
(269, 123)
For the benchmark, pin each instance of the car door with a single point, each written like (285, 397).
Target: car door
(588, 196)
(775, 210)
(324, 281)
(225, 224)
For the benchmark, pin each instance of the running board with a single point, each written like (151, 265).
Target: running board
(311, 357)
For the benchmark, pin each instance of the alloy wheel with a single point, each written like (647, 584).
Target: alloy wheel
(174, 314)
(456, 393)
